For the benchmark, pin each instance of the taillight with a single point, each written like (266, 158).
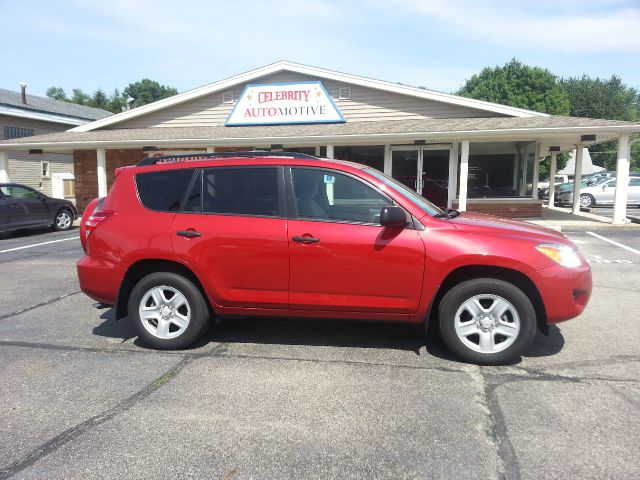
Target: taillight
(95, 218)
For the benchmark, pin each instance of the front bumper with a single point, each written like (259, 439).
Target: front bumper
(565, 291)
(564, 197)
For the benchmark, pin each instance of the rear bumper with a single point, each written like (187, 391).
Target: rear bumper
(99, 280)
(565, 291)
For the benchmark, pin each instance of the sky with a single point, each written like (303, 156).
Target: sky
(437, 44)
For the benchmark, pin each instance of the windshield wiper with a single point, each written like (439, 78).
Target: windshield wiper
(447, 213)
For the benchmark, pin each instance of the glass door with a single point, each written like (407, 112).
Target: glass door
(405, 165)
(423, 169)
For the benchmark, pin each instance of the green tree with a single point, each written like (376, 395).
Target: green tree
(608, 99)
(80, 97)
(522, 86)
(519, 85)
(147, 91)
(99, 100)
(57, 93)
(601, 98)
(142, 92)
(116, 102)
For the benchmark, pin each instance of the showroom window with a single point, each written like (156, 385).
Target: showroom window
(371, 155)
(501, 170)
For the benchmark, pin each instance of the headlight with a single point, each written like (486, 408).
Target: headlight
(561, 254)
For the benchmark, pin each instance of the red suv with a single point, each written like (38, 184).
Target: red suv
(183, 239)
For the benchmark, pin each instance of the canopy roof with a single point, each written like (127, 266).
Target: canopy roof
(562, 129)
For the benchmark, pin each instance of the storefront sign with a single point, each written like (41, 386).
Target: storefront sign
(280, 103)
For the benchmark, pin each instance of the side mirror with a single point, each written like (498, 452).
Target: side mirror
(393, 217)
(604, 187)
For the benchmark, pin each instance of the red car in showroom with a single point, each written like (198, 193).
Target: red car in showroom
(180, 240)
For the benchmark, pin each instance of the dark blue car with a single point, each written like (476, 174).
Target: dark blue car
(24, 207)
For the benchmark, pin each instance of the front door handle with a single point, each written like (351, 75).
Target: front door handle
(305, 239)
(188, 233)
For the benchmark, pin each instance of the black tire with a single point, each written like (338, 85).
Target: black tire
(63, 220)
(196, 306)
(499, 289)
(587, 200)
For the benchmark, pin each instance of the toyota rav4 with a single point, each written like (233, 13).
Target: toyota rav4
(180, 240)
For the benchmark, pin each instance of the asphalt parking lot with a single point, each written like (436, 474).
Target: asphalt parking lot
(607, 211)
(82, 399)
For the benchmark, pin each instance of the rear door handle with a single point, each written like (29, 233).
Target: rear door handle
(188, 233)
(305, 239)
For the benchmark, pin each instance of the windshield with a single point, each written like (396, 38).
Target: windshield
(589, 182)
(418, 200)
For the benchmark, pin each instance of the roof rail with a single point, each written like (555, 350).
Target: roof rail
(194, 156)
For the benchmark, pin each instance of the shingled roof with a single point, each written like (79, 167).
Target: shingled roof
(48, 105)
(423, 128)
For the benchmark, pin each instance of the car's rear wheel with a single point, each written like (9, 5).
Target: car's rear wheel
(487, 321)
(586, 200)
(168, 311)
(63, 220)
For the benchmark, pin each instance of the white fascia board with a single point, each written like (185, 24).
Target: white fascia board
(45, 117)
(414, 91)
(313, 71)
(477, 135)
(180, 98)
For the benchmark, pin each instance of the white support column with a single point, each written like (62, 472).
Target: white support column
(101, 159)
(4, 166)
(330, 150)
(464, 175)
(211, 150)
(317, 152)
(577, 179)
(453, 175)
(622, 181)
(552, 179)
(536, 173)
(387, 159)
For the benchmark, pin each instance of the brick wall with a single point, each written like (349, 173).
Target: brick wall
(85, 168)
(527, 209)
(121, 158)
(85, 171)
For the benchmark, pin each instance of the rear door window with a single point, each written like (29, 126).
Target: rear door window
(163, 191)
(240, 191)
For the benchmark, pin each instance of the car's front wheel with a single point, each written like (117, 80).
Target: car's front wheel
(487, 321)
(168, 311)
(63, 220)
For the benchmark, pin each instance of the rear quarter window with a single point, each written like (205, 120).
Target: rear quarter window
(163, 191)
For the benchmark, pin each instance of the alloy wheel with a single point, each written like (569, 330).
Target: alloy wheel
(487, 323)
(63, 220)
(164, 312)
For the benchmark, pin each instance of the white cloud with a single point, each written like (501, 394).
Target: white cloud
(583, 28)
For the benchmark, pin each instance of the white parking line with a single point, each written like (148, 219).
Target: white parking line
(38, 244)
(637, 252)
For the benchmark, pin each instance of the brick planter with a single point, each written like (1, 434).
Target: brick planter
(525, 208)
